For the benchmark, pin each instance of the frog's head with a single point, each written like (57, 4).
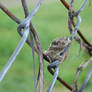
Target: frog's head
(61, 42)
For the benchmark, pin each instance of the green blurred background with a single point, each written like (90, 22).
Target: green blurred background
(50, 23)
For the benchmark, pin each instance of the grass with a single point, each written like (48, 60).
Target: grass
(50, 22)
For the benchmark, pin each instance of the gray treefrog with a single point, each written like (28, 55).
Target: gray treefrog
(56, 48)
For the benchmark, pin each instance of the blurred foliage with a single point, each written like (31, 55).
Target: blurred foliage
(50, 23)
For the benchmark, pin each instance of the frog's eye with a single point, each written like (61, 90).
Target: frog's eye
(63, 43)
(61, 53)
(55, 43)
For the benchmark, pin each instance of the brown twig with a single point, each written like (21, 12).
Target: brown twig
(33, 54)
(38, 47)
(15, 19)
(25, 23)
(79, 70)
(60, 80)
(18, 21)
(25, 7)
(6, 11)
(80, 34)
(70, 19)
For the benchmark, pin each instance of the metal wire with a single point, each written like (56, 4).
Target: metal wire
(15, 53)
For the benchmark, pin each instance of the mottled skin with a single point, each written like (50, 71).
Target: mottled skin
(56, 47)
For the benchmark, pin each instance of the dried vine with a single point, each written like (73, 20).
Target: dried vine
(18, 21)
(87, 45)
(28, 28)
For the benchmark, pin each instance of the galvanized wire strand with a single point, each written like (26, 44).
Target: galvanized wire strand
(81, 8)
(54, 64)
(72, 35)
(15, 53)
(66, 48)
(29, 18)
(19, 47)
(79, 69)
(86, 80)
(75, 29)
(27, 21)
